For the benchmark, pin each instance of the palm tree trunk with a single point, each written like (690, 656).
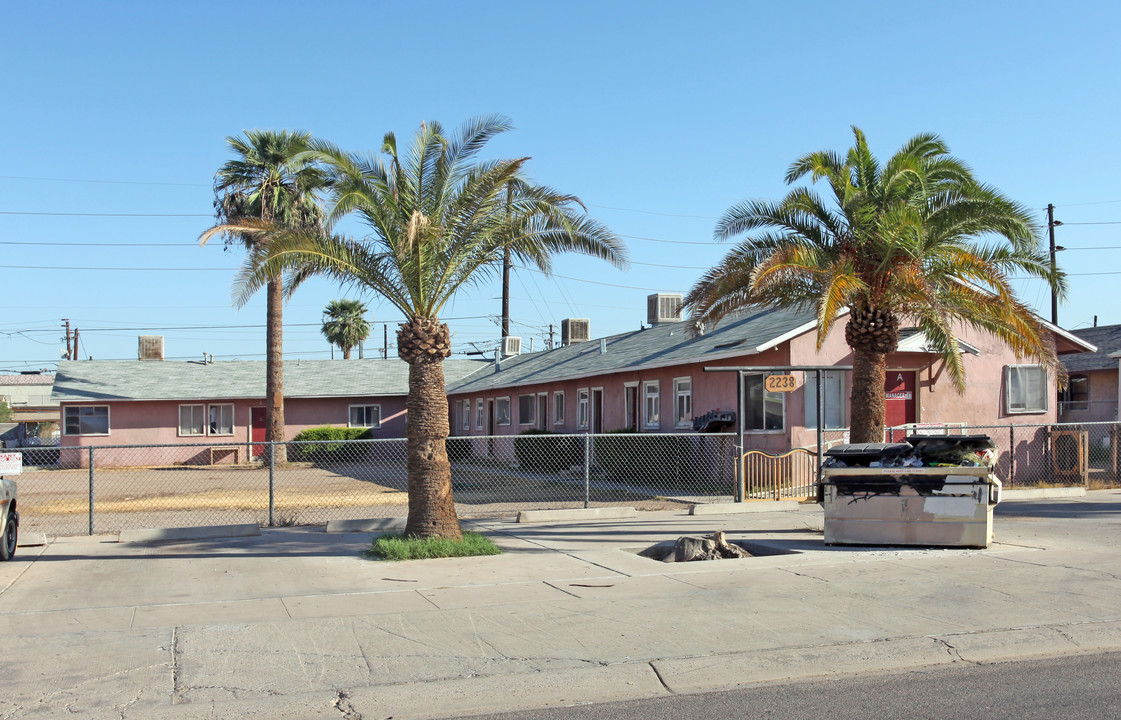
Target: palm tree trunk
(431, 507)
(346, 353)
(274, 369)
(869, 370)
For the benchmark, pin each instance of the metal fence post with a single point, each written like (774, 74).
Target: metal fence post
(91, 489)
(272, 484)
(587, 469)
(1011, 454)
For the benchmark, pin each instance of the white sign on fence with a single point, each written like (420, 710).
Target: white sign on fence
(11, 463)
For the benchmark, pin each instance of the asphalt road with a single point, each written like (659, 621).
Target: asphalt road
(1080, 686)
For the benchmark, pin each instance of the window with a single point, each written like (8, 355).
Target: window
(651, 404)
(1025, 389)
(558, 407)
(834, 400)
(683, 402)
(502, 411)
(582, 408)
(86, 420)
(762, 410)
(367, 416)
(480, 414)
(191, 420)
(221, 419)
(527, 409)
(463, 407)
(630, 407)
(1076, 395)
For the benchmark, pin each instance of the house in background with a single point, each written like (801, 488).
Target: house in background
(1091, 394)
(34, 412)
(654, 380)
(156, 402)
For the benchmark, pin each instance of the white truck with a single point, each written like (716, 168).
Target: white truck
(10, 464)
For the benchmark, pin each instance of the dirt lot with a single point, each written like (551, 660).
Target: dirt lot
(56, 502)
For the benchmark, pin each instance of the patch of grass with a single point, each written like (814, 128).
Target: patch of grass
(398, 547)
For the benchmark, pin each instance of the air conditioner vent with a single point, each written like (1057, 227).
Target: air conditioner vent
(575, 330)
(663, 308)
(511, 346)
(151, 347)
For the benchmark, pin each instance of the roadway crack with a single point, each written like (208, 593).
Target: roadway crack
(953, 651)
(176, 671)
(342, 704)
(661, 679)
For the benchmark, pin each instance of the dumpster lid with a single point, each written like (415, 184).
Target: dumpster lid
(872, 450)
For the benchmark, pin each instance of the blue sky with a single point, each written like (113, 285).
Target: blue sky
(658, 115)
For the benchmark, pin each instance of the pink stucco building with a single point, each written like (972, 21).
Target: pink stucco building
(652, 380)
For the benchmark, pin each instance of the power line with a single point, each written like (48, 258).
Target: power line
(116, 269)
(99, 244)
(219, 327)
(1099, 202)
(82, 214)
(651, 212)
(102, 182)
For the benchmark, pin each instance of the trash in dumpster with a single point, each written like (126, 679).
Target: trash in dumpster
(936, 491)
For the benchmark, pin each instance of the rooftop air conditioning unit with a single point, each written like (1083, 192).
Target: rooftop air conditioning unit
(511, 346)
(575, 330)
(151, 347)
(663, 308)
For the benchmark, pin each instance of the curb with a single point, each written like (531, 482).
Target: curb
(189, 533)
(604, 513)
(366, 525)
(32, 539)
(745, 507)
(1041, 493)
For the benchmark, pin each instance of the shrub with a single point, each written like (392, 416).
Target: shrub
(547, 452)
(327, 442)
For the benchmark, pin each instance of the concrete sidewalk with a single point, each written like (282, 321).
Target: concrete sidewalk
(295, 623)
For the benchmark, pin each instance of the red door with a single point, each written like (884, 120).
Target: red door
(899, 400)
(257, 433)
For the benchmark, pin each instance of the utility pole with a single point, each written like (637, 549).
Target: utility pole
(75, 345)
(66, 324)
(1052, 223)
(506, 271)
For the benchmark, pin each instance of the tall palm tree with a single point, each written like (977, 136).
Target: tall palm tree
(345, 325)
(916, 238)
(437, 219)
(271, 183)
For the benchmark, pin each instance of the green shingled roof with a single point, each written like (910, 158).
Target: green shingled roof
(661, 345)
(93, 380)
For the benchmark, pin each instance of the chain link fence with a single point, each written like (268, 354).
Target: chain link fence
(105, 489)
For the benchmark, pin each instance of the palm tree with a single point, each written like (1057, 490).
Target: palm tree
(271, 183)
(344, 324)
(438, 222)
(916, 238)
